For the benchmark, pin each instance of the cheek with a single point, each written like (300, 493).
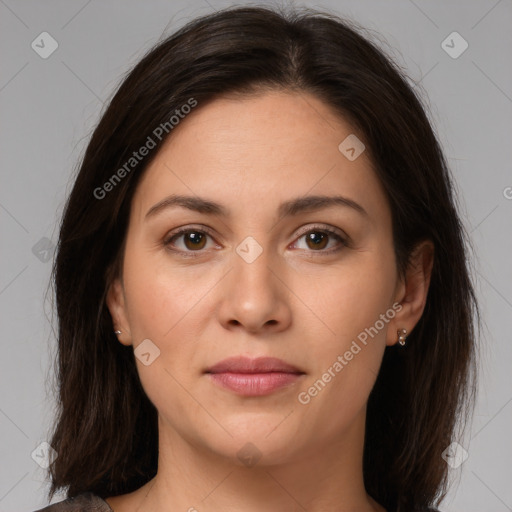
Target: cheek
(170, 307)
(353, 298)
(164, 306)
(159, 295)
(346, 361)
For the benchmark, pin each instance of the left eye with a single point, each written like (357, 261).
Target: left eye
(195, 237)
(194, 240)
(317, 239)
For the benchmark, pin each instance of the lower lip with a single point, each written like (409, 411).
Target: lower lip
(255, 384)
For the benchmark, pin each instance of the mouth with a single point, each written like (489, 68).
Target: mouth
(254, 377)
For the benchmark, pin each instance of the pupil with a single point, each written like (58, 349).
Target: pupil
(194, 237)
(313, 235)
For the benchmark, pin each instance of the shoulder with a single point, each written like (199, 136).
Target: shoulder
(84, 502)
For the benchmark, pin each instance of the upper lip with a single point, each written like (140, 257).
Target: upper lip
(239, 364)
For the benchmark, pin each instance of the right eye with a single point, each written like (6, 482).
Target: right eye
(194, 240)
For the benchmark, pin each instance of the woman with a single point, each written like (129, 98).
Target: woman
(261, 282)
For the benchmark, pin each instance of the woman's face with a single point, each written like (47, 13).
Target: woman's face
(259, 276)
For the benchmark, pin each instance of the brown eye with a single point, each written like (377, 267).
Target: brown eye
(317, 240)
(194, 240)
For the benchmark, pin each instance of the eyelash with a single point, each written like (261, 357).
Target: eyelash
(314, 229)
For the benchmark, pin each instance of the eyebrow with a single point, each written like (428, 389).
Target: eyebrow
(287, 208)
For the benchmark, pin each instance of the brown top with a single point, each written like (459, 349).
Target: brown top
(84, 502)
(89, 502)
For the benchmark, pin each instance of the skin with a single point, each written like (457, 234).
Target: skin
(292, 302)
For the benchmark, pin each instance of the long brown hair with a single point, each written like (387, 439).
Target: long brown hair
(105, 432)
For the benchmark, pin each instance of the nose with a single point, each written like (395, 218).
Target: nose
(255, 295)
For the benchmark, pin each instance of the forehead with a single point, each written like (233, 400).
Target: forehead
(269, 146)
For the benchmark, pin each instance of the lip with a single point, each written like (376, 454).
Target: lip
(240, 364)
(254, 377)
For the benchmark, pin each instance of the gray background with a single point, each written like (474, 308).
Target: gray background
(49, 107)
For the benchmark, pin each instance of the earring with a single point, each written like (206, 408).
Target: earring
(402, 336)
(117, 332)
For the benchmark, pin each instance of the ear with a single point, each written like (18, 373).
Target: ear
(116, 304)
(412, 291)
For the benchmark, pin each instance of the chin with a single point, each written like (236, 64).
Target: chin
(262, 439)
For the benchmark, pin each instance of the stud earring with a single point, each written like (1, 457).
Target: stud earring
(402, 336)
(117, 332)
